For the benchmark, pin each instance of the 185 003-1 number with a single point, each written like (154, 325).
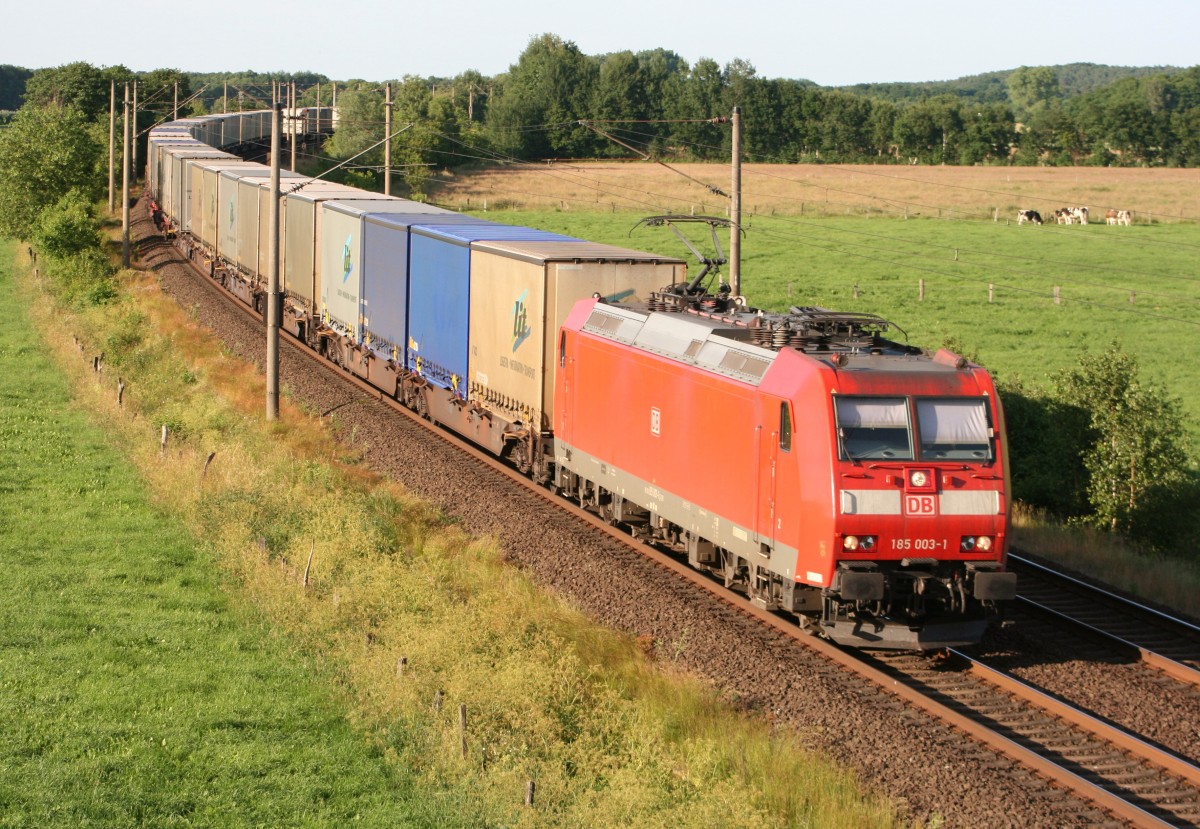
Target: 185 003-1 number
(919, 544)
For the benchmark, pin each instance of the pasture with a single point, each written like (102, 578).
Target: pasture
(136, 691)
(989, 285)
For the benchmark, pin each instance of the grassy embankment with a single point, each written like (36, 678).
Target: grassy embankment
(160, 680)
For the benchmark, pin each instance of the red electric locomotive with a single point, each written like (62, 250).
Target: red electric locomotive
(806, 459)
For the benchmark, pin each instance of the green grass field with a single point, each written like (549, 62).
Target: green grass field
(135, 692)
(1021, 333)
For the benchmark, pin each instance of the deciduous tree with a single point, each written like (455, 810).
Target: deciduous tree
(1136, 459)
(45, 153)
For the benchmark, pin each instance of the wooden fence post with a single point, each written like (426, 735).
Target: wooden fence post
(991, 291)
(308, 565)
(530, 786)
(921, 289)
(1057, 296)
(462, 729)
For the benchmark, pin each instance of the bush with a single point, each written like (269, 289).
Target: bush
(1105, 449)
(85, 278)
(68, 228)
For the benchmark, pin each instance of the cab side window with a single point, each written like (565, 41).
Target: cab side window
(785, 427)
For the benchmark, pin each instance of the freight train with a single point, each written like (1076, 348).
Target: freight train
(804, 458)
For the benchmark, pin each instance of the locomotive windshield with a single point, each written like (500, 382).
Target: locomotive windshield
(955, 429)
(874, 428)
(879, 428)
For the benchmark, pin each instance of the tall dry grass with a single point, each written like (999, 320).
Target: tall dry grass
(1172, 582)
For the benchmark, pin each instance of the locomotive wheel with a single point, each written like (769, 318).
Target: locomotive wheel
(540, 470)
(729, 568)
(422, 404)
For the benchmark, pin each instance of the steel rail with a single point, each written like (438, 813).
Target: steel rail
(1118, 737)
(1113, 597)
(1171, 667)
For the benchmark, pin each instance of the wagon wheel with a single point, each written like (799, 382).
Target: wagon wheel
(520, 456)
(421, 403)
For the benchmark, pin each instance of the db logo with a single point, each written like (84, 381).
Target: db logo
(920, 505)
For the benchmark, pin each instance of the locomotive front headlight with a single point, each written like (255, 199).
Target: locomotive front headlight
(850, 543)
(918, 478)
(983, 544)
(968, 543)
(867, 543)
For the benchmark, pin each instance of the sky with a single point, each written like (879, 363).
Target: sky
(829, 43)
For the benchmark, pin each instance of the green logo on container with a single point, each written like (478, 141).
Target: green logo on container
(520, 326)
(347, 263)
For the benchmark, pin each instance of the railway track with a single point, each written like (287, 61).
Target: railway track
(1110, 779)
(1157, 639)
(1142, 784)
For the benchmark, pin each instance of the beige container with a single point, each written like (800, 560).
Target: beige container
(303, 226)
(522, 292)
(209, 204)
(253, 218)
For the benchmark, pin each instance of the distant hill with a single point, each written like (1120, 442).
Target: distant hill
(991, 87)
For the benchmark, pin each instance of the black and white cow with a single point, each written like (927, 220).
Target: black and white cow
(1024, 216)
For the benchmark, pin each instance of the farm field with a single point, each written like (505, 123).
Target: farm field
(1136, 286)
(1154, 195)
(135, 691)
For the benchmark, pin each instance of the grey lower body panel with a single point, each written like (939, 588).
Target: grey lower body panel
(934, 635)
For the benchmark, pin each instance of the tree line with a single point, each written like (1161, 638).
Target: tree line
(542, 106)
(1099, 446)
